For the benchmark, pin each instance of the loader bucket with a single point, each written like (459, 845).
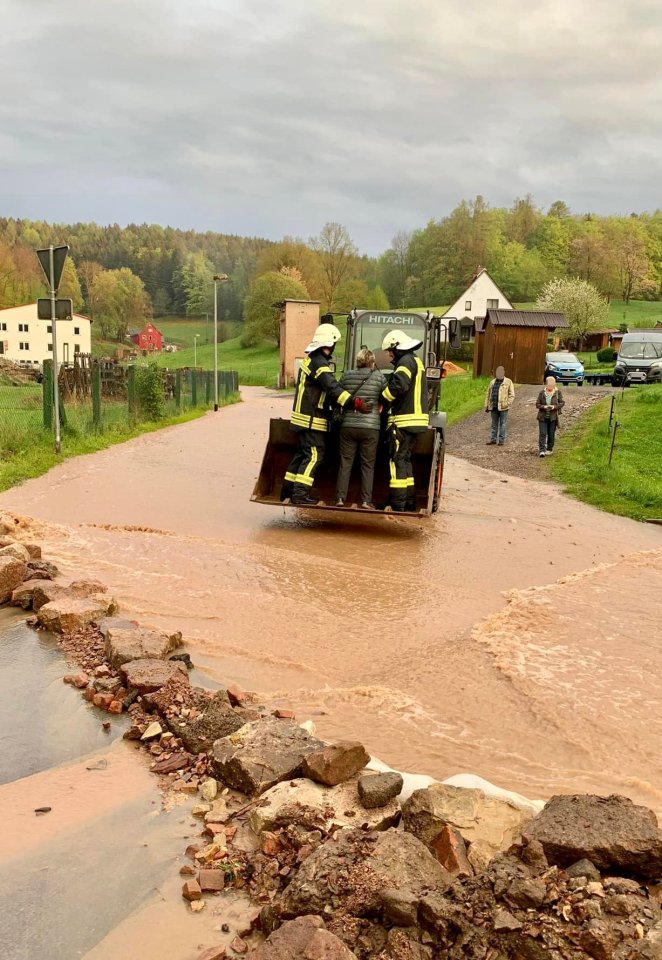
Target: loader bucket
(427, 461)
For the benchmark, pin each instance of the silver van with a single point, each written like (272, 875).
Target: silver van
(639, 359)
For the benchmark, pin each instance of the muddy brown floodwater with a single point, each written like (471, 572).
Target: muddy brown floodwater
(516, 635)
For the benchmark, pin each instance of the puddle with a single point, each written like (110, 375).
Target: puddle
(43, 722)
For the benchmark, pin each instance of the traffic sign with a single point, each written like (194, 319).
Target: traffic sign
(59, 256)
(64, 309)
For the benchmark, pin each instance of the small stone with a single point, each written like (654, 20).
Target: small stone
(197, 906)
(236, 695)
(212, 953)
(335, 763)
(115, 706)
(200, 809)
(211, 881)
(451, 851)
(583, 868)
(102, 700)
(192, 849)
(191, 890)
(239, 945)
(153, 730)
(376, 790)
(527, 893)
(208, 789)
(283, 714)
(210, 852)
(187, 871)
(504, 922)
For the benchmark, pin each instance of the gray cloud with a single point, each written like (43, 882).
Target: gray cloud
(247, 116)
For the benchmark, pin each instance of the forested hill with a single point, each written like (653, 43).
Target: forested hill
(122, 274)
(160, 256)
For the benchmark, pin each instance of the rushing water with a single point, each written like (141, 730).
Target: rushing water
(514, 635)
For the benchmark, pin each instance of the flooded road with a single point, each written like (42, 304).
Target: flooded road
(512, 636)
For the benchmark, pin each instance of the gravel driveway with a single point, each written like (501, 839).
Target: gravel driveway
(519, 455)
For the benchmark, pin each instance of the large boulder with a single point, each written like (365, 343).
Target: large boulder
(23, 596)
(336, 762)
(487, 825)
(67, 614)
(612, 832)
(261, 754)
(12, 573)
(364, 873)
(44, 591)
(204, 720)
(317, 807)
(138, 643)
(16, 550)
(149, 675)
(302, 939)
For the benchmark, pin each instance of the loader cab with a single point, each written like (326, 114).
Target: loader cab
(367, 328)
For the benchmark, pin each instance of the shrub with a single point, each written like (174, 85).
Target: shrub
(606, 355)
(150, 392)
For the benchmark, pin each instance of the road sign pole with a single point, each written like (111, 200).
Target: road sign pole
(215, 344)
(56, 386)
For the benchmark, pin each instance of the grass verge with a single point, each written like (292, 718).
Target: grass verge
(462, 395)
(632, 485)
(31, 454)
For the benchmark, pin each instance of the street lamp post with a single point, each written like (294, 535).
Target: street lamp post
(195, 350)
(218, 278)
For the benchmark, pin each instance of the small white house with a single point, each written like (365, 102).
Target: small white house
(25, 339)
(481, 295)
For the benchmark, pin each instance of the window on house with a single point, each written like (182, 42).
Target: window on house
(49, 328)
(492, 304)
(467, 304)
(4, 326)
(65, 353)
(76, 331)
(50, 347)
(23, 346)
(77, 348)
(465, 334)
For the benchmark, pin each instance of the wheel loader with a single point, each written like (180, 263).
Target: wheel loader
(367, 328)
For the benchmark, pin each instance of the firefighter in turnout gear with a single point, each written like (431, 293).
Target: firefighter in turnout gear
(406, 397)
(316, 391)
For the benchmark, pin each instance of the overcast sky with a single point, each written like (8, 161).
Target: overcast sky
(270, 118)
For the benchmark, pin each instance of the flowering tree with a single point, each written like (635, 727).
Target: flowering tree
(584, 307)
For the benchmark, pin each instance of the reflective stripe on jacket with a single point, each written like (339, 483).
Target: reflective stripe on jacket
(315, 385)
(407, 394)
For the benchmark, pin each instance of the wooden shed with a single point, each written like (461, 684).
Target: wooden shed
(516, 340)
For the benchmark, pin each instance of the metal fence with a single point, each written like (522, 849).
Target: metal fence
(141, 394)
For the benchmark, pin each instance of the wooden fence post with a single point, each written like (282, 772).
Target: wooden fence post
(47, 394)
(194, 388)
(96, 394)
(208, 387)
(131, 392)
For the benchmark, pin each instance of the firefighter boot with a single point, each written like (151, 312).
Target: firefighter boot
(300, 496)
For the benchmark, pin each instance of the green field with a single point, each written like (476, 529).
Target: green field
(632, 485)
(27, 449)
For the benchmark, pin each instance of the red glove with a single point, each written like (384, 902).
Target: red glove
(362, 406)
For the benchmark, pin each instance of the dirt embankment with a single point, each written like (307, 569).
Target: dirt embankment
(519, 456)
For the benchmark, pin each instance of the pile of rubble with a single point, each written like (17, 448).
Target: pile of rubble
(337, 861)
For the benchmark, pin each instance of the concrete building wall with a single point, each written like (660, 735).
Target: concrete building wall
(298, 321)
(25, 339)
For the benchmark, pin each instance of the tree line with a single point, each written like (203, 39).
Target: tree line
(122, 275)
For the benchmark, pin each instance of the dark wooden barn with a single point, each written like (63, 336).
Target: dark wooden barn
(516, 340)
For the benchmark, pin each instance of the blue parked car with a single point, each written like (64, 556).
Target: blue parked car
(565, 367)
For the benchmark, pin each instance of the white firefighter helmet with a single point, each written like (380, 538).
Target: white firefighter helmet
(326, 335)
(399, 340)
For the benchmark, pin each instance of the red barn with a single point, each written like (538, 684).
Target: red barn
(149, 338)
